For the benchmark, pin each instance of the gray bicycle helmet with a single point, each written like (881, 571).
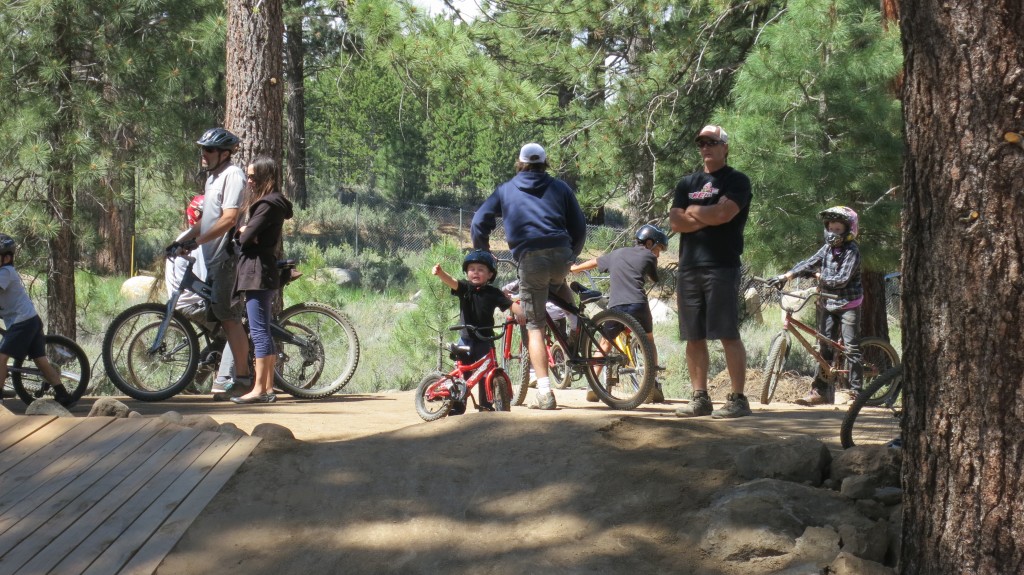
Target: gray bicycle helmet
(219, 138)
(7, 245)
(653, 233)
(481, 257)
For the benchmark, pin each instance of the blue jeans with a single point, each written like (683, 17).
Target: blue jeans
(258, 306)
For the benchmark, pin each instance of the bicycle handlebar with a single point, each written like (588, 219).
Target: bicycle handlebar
(475, 330)
(800, 295)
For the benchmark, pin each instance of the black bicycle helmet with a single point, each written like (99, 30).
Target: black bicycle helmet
(219, 138)
(651, 232)
(481, 257)
(7, 245)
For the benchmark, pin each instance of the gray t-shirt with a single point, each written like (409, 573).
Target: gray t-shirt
(223, 191)
(15, 305)
(628, 267)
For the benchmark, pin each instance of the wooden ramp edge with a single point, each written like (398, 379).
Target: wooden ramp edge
(104, 495)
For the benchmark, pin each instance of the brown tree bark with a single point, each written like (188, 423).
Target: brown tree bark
(963, 287)
(295, 171)
(254, 82)
(874, 322)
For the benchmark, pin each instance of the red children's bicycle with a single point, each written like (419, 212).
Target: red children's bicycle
(438, 392)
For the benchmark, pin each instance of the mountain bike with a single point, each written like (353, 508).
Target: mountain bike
(886, 429)
(67, 359)
(437, 392)
(151, 351)
(611, 350)
(877, 354)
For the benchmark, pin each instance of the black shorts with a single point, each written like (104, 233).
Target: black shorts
(25, 339)
(708, 303)
(641, 312)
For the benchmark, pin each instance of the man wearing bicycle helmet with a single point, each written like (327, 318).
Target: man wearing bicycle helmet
(837, 268)
(710, 211)
(24, 337)
(629, 268)
(225, 184)
(545, 229)
(477, 300)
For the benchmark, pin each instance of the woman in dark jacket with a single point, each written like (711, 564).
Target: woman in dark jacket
(258, 233)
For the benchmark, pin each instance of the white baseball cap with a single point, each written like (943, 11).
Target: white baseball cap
(532, 154)
(714, 132)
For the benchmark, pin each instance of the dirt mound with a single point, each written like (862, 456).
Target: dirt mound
(791, 386)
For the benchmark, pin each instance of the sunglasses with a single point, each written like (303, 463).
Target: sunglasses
(210, 150)
(708, 143)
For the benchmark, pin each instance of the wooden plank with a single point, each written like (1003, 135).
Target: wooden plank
(150, 555)
(8, 420)
(30, 504)
(148, 524)
(68, 436)
(162, 477)
(73, 524)
(23, 427)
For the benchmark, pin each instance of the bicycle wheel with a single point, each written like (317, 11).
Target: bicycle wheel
(317, 350)
(778, 353)
(621, 378)
(878, 357)
(876, 426)
(71, 365)
(433, 399)
(501, 391)
(140, 373)
(517, 364)
(561, 375)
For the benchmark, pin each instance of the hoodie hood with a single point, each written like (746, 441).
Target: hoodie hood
(533, 183)
(277, 200)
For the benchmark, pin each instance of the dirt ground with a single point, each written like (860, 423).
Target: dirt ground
(370, 488)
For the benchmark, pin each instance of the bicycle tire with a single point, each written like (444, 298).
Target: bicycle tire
(633, 372)
(431, 408)
(501, 391)
(517, 365)
(778, 353)
(139, 374)
(70, 362)
(889, 428)
(320, 355)
(878, 356)
(561, 374)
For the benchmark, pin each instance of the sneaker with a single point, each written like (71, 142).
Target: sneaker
(698, 406)
(220, 385)
(814, 397)
(239, 381)
(656, 396)
(457, 408)
(546, 400)
(736, 405)
(591, 396)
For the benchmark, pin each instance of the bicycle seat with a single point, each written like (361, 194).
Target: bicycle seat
(456, 351)
(586, 295)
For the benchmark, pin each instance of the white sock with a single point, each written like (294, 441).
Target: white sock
(543, 384)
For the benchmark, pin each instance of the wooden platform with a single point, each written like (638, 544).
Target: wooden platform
(104, 495)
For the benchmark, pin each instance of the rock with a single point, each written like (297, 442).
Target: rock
(895, 535)
(108, 407)
(661, 312)
(47, 406)
(818, 545)
(340, 276)
(847, 564)
(889, 495)
(272, 431)
(201, 422)
(800, 458)
(872, 509)
(882, 463)
(134, 414)
(172, 417)
(870, 543)
(230, 429)
(752, 305)
(764, 518)
(858, 487)
(140, 289)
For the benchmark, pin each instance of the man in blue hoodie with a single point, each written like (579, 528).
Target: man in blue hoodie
(545, 229)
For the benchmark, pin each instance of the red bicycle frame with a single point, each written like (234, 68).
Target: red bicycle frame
(472, 374)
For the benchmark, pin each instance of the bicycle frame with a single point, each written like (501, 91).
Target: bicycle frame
(794, 326)
(471, 374)
(583, 325)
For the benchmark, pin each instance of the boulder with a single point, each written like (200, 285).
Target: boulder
(47, 406)
(662, 312)
(869, 544)
(272, 431)
(800, 458)
(882, 463)
(109, 407)
(140, 289)
(848, 564)
(201, 422)
(340, 276)
(858, 486)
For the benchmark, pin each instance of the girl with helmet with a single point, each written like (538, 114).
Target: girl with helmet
(477, 300)
(629, 268)
(837, 267)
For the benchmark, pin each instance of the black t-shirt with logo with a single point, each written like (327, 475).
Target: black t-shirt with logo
(713, 246)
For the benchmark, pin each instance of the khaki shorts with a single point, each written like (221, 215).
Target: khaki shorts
(222, 279)
(541, 271)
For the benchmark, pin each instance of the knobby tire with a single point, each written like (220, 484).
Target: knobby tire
(70, 362)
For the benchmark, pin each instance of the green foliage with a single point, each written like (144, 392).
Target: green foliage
(814, 124)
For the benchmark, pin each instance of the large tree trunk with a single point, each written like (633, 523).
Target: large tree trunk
(963, 287)
(255, 86)
(295, 171)
(874, 317)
